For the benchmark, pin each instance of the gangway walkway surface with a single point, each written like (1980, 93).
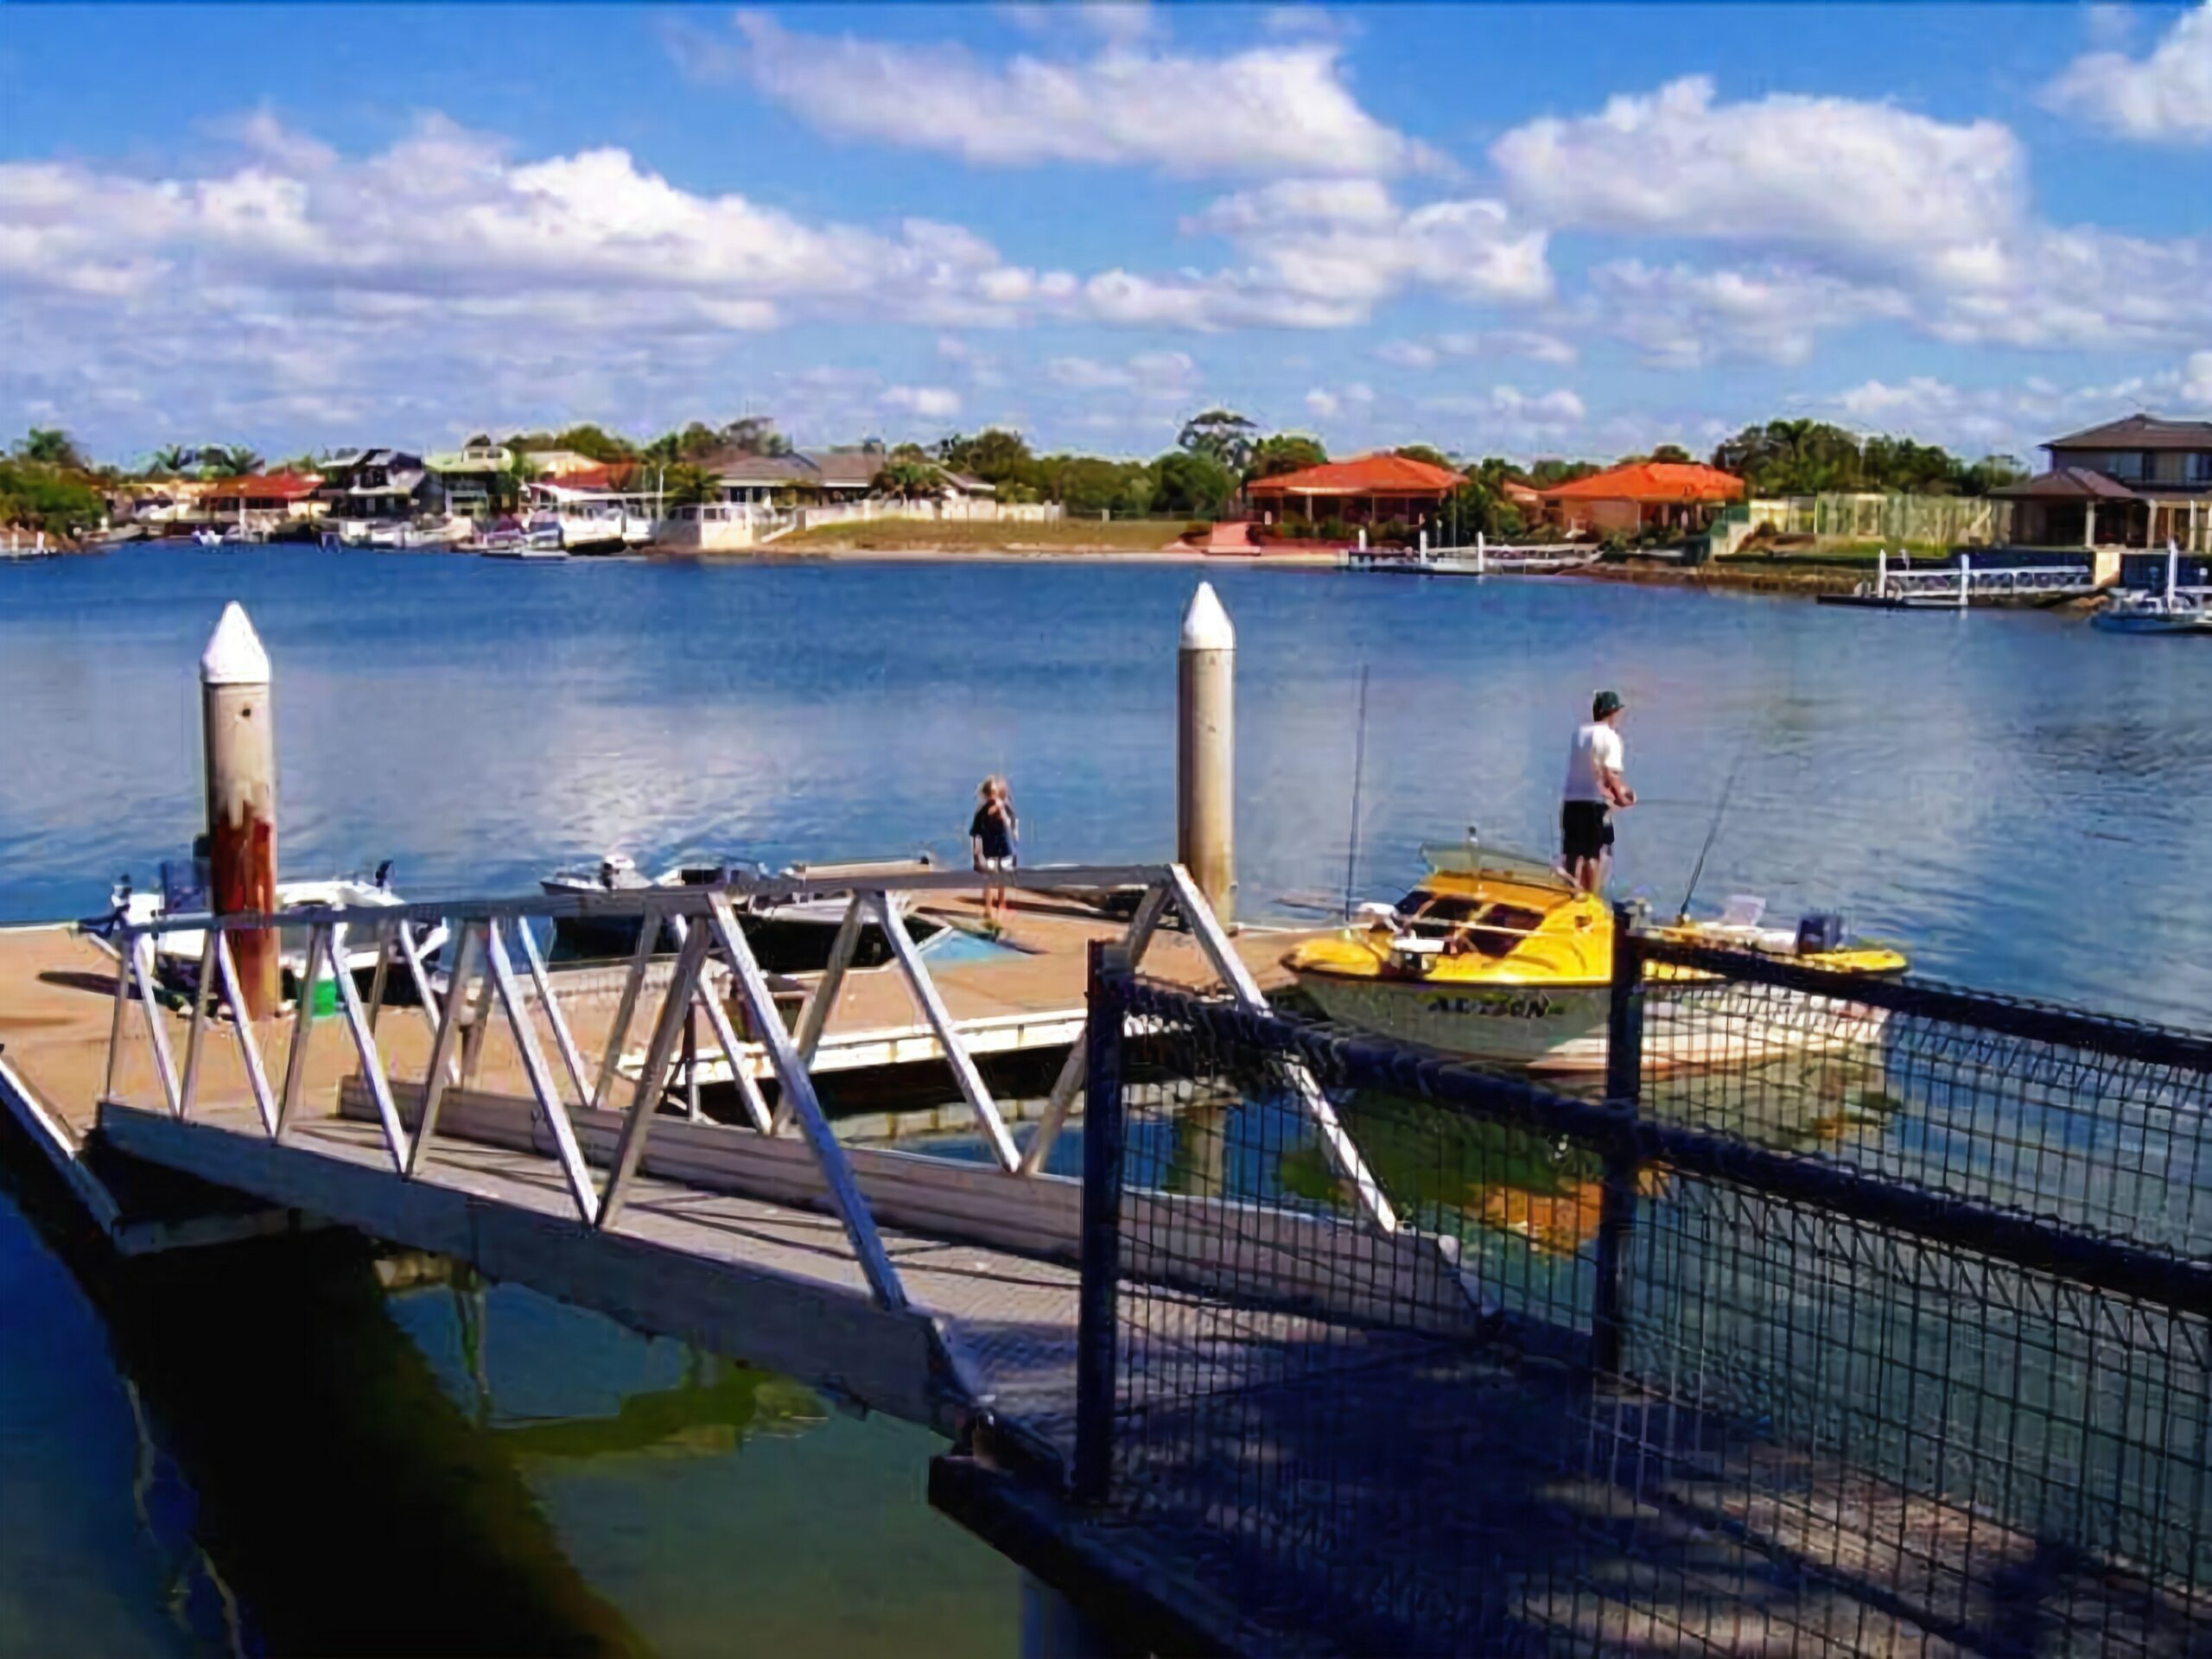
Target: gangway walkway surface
(561, 1151)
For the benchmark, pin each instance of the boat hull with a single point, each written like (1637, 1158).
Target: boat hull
(1561, 1030)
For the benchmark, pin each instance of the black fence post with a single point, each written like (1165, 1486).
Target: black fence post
(1617, 1200)
(1103, 1142)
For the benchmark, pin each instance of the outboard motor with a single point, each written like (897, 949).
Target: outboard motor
(1819, 932)
(383, 877)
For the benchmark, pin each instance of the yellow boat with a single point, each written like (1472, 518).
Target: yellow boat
(1501, 959)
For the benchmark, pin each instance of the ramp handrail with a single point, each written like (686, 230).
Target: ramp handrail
(705, 923)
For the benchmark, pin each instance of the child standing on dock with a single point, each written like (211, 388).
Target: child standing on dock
(991, 836)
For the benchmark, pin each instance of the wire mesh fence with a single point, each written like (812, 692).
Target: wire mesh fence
(1752, 1362)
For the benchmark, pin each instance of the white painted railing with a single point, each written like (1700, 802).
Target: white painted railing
(707, 923)
(1962, 583)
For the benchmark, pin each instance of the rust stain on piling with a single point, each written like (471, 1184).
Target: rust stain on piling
(242, 857)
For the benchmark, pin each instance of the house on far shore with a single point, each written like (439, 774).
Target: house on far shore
(557, 463)
(261, 501)
(1378, 489)
(817, 477)
(2137, 482)
(468, 475)
(378, 484)
(1680, 495)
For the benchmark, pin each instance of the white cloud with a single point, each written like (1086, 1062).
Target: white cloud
(1830, 172)
(934, 403)
(2197, 380)
(1283, 108)
(1861, 210)
(1122, 20)
(2164, 96)
(2014, 418)
(1532, 343)
(1169, 374)
(1323, 404)
(1683, 318)
(1507, 417)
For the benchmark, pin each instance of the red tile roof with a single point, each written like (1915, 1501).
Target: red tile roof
(278, 486)
(1652, 482)
(1368, 475)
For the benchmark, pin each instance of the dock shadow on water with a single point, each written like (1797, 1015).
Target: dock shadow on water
(309, 1446)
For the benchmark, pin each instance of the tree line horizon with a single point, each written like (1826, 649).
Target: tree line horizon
(47, 482)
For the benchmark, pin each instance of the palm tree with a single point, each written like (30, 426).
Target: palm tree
(171, 460)
(228, 461)
(49, 446)
(687, 483)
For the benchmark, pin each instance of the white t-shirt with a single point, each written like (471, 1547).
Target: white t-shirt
(1595, 745)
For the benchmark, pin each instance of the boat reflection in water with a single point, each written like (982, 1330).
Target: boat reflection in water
(1488, 1181)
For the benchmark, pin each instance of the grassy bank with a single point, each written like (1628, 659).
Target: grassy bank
(928, 535)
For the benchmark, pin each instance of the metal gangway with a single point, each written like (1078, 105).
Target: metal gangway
(1959, 585)
(1482, 558)
(506, 1120)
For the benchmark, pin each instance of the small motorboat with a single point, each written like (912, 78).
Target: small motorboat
(183, 891)
(1501, 959)
(789, 936)
(2169, 611)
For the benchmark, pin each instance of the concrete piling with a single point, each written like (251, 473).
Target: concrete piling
(238, 736)
(1205, 752)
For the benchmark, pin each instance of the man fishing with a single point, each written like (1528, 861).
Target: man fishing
(1595, 787)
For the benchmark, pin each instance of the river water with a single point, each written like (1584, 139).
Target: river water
(2018, 799)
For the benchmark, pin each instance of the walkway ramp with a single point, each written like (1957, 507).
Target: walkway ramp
(553, 1135)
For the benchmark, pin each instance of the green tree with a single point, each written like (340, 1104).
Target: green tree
(228, 461)
(170, 460)
(998, 456)
(41, 495)
(1421, 451)
(910, 480)
(510, 483)
(1191, 485)
(756, 435)
(687, 484)
(1550, 473)
(1221, 436)
(1284, 452)
(49, 446)
(1793, 457)
(1672, 451)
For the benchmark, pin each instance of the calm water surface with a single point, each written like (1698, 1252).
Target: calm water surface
(2017, 798)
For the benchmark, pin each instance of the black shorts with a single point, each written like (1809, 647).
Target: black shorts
(1584, 829)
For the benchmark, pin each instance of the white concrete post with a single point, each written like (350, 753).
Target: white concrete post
(1205, 752)
(239, 738)
(1424, 543)
(1479, 553)
(1882, 571)
(1966, 577)
(2089, 525)
(1362, 539)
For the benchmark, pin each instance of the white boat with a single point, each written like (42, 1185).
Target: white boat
(591, 533)
(2171, 612)
(637, 529)
(183, 891)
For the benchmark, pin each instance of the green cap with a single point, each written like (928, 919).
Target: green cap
(1606, 702)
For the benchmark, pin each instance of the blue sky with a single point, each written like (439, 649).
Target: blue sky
(1516, 231)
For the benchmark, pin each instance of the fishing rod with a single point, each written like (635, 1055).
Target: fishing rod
(1712, 830)
(1358, 775)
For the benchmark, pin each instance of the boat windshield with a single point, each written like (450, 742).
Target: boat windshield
(1458, 858)
(1465, 923)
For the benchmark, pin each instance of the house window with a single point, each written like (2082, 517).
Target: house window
(2126, 464)
(2200, 467)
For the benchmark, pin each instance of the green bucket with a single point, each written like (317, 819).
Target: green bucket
(325, 995)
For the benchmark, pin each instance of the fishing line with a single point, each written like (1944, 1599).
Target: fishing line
(1712, 830)
(1358, 776)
